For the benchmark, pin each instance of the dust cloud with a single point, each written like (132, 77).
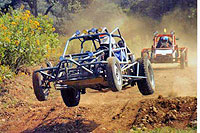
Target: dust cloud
(136, 29)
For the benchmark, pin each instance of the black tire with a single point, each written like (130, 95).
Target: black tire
(147, 85)
(182, 61)
(40, 91)
(114, 74)
(71, 97)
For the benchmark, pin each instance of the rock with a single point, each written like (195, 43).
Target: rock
(155, 110)
(144, 128)
(193, 123)
(144, 121)
(150, 119)
(173, 106)
(146, 116)
(160, 97)
(141, 125)
(103, 128)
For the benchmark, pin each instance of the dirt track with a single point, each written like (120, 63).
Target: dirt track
(97, 112)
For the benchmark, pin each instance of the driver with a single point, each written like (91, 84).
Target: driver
(115, 45)
(164, 42)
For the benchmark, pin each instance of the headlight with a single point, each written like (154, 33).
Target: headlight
(93, 30)
(85, 31)
(100, 30)
(78, 32)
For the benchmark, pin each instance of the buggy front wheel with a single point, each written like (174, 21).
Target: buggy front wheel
(147, 85)
(114, 74)
(40, 89)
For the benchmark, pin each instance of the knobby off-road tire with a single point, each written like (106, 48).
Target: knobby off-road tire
(40, 91)
(71, 97)
(147, 85)
(182, 61)
(114, 74)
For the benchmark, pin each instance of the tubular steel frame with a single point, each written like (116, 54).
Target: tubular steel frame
(64, 71)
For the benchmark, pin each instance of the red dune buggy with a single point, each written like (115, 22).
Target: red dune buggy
(165, 50)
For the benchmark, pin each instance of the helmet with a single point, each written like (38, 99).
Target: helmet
(164, 39)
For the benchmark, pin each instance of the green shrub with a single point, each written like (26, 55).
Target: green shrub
(25, 39)
(5, 73)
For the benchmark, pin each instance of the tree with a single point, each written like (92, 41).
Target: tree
(33, 5)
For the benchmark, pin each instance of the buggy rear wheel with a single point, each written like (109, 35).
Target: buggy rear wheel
(41, 92)
(147, 85)
(182, 60)
(114, 74)
(71, 97)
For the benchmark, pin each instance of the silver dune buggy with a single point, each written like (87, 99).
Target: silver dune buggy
(107, 65)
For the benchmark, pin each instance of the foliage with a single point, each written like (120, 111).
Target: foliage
(59, 10)
(5, 73)
(156, 8)
(25, 39)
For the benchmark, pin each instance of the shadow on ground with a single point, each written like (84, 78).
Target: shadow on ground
(77, 125)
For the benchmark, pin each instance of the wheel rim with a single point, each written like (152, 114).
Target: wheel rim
(117, 74)
(151, 76)
(44, 89)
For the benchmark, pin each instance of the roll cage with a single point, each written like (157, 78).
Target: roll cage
(96, 36)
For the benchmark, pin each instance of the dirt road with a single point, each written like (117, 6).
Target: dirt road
(97, 112)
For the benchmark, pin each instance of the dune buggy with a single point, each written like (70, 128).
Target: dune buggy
(100, 63)
(165, 50)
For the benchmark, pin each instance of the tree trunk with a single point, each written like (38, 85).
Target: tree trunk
(33, 5)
